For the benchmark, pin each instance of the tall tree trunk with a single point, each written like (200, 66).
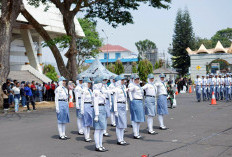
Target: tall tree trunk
(43, 33)
(9, 12)
(68, 20)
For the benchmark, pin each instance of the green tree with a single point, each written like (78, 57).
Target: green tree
(114, 12)
(183, 37)
(119, 68)
(50, 71)
(224, 36)
(111, 67)
(144, 68)
(144, 46)
(88, 45)
(207, 42)
(159, 64)
(134, 67)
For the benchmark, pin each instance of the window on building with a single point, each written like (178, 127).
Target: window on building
(105, 55)
(117, 55)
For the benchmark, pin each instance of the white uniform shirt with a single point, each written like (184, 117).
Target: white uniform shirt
(86, 97)
(16, 90)
(212, 81)
(61, 93)
(161, 88)
(217, 80)
(78, 91)
(129, 93)
(136, 92)
(204, 82)
(98, 98)
(120, 96)
(227, 81)
(222, 81)
(198, 81)
(150, 89)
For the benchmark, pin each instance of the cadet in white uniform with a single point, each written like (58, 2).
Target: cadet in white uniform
(78, 91)
(204, 88)
(212, 82)
(112, 88)
(137, 110)
(162, 107)
(150, 102)
(130, 95)
(208, 87)
(198, 84)
(62, 108)
(99, 114)
(221, 86)
(107, 93)
(227, 87)
(217, 87)
(87, 108)
(120, 109)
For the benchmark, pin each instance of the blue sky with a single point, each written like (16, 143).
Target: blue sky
(157, 25)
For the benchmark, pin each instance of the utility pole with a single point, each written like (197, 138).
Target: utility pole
(106, 46)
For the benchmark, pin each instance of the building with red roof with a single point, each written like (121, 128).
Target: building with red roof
(111, 53)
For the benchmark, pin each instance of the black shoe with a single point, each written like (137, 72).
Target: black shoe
(113, 125)
(80, 133)
(34, 109)
(67, 138)
(62, 138)
(104, 149)
(99, 149)
(106, 134)
(121, 143)
(137, 137)
(163, 128)
(152, 133)
(88, 140)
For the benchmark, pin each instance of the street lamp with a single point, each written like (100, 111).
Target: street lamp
(106, 45)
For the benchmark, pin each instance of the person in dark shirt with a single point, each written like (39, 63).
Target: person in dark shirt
(6, 92)
(52, 91)
(29, 96)
(170, 95)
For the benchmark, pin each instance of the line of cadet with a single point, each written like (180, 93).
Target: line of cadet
(94, 106)
(220, 84)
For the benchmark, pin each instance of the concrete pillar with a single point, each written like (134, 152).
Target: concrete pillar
(30, 49)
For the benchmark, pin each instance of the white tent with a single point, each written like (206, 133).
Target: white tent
(97, 70)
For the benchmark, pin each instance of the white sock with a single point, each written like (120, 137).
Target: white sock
(150, 123)
(161, 120)
(112, 116)
(134, 125)
(138, 126)
(104, 131)
(79, 125)
(63, 129)
(101, 138)
(96, 138)
(60, 129)
(86, 132)
(118, 133)
(122, 134)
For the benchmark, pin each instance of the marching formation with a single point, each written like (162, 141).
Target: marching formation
(219, 84)
(97, 101)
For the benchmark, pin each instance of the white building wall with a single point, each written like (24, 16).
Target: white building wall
(124, 54)
(203, 60)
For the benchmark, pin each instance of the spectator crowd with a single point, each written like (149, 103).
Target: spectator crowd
(23, 93)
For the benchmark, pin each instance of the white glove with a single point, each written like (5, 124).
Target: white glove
(57, 110)
(82, 112)
(116, 113)
(96, 119)
(201, 88)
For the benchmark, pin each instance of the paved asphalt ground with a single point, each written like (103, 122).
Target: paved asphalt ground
(195, 130)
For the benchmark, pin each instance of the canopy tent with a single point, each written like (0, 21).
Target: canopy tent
(97, 70)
